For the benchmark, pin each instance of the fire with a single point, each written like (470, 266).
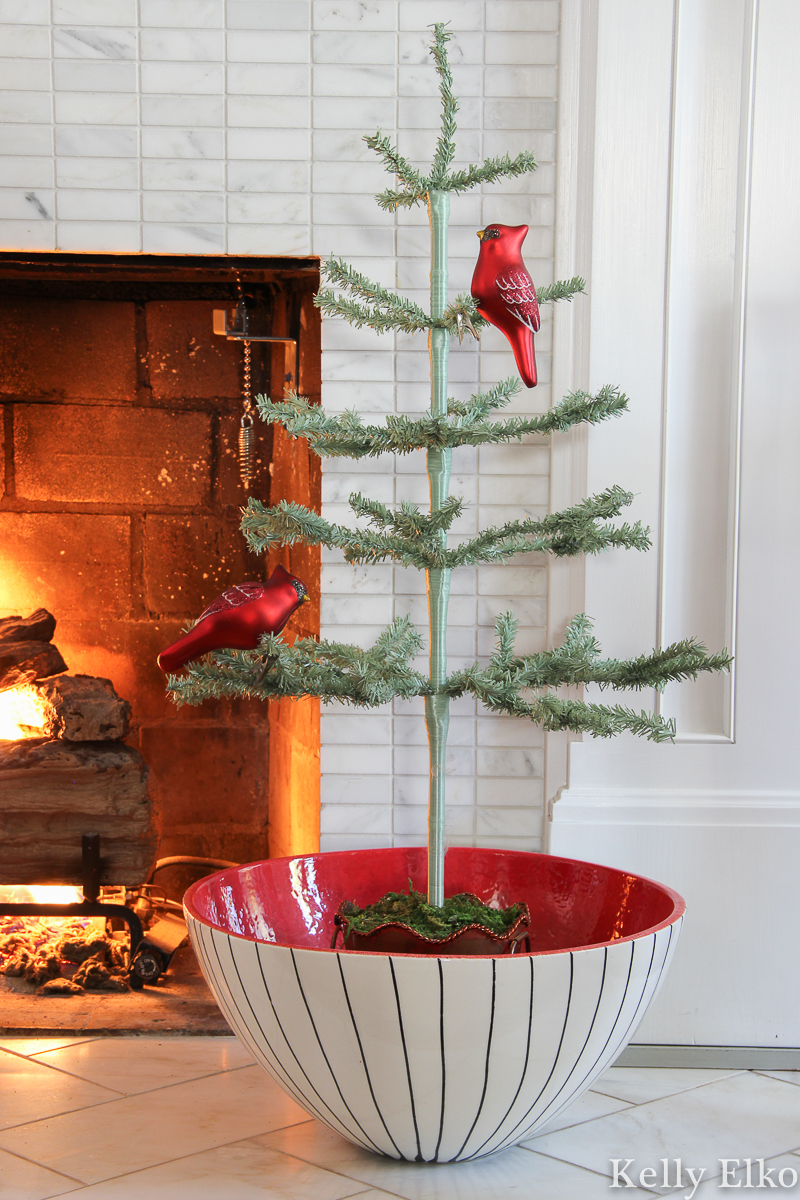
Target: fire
(18, 893)
(21, 713)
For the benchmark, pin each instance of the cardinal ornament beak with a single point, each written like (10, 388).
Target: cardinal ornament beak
(480, 234)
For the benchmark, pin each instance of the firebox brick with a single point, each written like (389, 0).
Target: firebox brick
(72, 563)
(111, 455)
(185, 361)
(190, 560)
(67, 349)
(229, 772)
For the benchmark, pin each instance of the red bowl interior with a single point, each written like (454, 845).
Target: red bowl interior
(291, 901)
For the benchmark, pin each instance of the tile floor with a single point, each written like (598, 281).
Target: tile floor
(194, 1119)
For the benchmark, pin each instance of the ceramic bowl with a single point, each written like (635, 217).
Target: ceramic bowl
(433, 1058)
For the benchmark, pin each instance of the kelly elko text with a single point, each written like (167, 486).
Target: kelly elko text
(671, 1173)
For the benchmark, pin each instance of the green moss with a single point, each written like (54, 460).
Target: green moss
(412, 909)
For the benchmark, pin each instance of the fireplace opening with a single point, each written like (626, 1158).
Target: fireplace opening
(120, 498)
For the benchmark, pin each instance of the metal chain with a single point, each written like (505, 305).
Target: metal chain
(246, 431)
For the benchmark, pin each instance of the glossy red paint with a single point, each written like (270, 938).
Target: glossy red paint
(292, 901)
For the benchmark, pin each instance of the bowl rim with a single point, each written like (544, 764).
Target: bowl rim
(678, 906)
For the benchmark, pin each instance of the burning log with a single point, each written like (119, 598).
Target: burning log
(22, 662)
(55, 791)
(26, 651)
(81, 708)
(46, 955)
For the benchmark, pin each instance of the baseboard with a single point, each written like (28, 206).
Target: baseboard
(741, 1058)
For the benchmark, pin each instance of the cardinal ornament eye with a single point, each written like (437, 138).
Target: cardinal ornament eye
(504, 293)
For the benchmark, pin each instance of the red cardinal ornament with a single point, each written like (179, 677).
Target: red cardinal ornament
(504, 293)
(238, 618)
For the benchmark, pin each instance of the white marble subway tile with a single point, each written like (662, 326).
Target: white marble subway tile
(269, 240)
(28, 235)
(359, 80)
(363, 636)
(95, 75)
(495, 730)
(196, 207)
(92, 108)
(356, 789)
(530, 845)
(520, 793)
(341, 145)
(183, 78)
(80, 172)
(26, 172)
(340, 335)
(260, 46)
(25, 74)
(25, 12)
(182, 239)
(348, 178)
(527, 81)
(182, 45)
(274, 176)
(336, 610)
(528, 611)
(413, 760)
(357, 46)
(354, 841)
(94, 42)
(102, 236)
(16, 204)
(512, 581)
(269, 112)
(25, 107)
(361, 729)
(519, 114)
(267, 14)
(336, 489)
(273, 209)
(26, 41)
(94, 12)
(348, 579)
(543, 15)
(508, 762)
(417, 112)
(160, 142)
(411, 821)
(514, 459)
(369, 398)
(190, 111)
(348, 112)
(366, 818)
(346, 366)
(516, 47)
(413, 789)
(355, 14)
(82, 204)
(414, 45)
(330, 209)
(96, 141)
(541, 142)
(182, 14)
(272, 79)
(370, 760)
(269, 143)
(414, 15)
(173, 174)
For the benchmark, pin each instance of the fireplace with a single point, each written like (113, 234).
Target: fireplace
(120, 498)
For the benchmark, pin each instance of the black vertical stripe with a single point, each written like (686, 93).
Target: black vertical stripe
(635, 1019)
(441, 1050)
(289, 1083)
(364, 1060)
(348, 1133)
(524, 1068)
(419, 1157)
(578, 1089)
(506, 1140)
(486, 1068)
(325, 1055)
(591, 1073)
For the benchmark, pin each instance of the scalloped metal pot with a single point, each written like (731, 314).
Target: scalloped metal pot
(433, 1058)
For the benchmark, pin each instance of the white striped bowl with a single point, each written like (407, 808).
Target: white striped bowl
(433, 1058)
